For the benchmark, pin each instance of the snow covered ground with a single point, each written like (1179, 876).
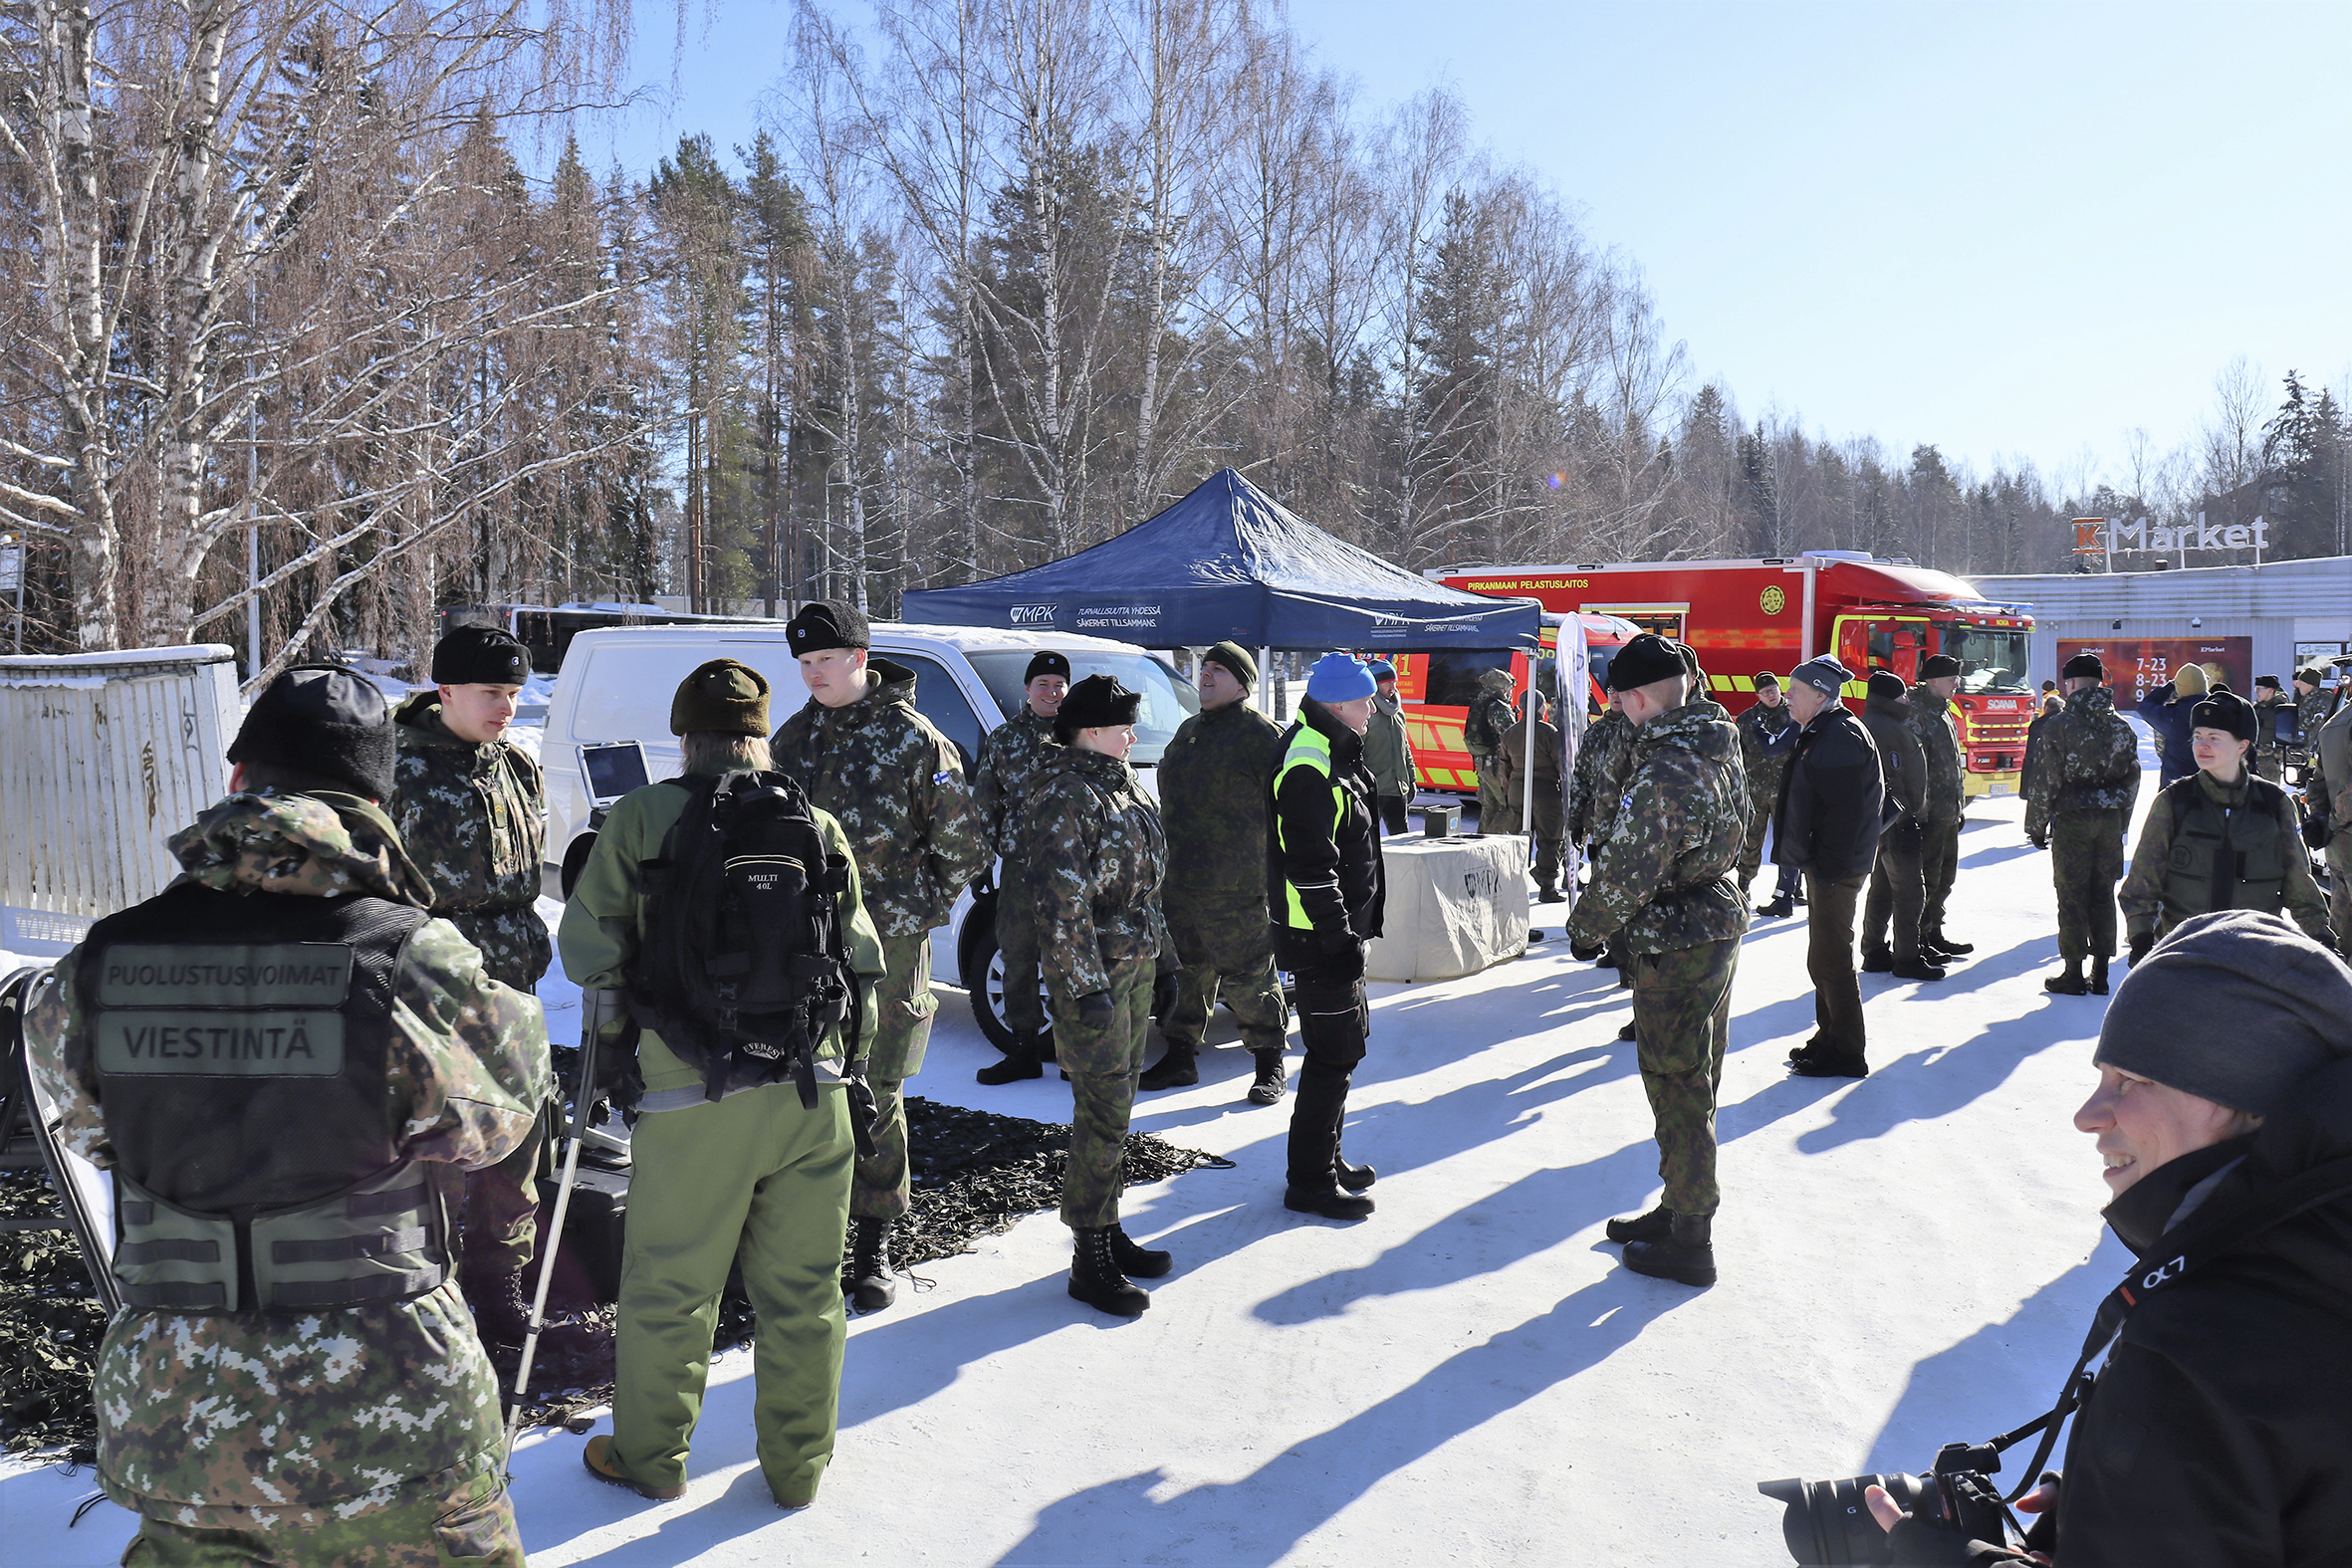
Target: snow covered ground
(1469, 1377)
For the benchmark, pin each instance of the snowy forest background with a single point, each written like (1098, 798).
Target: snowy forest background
(281, 303)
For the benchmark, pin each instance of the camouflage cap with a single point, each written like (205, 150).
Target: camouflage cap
(723, 696)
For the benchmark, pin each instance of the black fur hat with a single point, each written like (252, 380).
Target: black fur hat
(1048, 662)
(324, 720)
(1094, 701)
(827, 624)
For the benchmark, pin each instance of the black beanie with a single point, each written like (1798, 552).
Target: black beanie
(1646, 660)
(1048, 662)
(2225, 711)
(325, 720)
(827, 623)
(480, 657)
(1937, 665)
(1092, 703)
(2085, 664)
(725, 696)
(1887, 685)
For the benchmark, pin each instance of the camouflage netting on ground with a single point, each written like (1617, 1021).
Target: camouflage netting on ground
(974, 1174)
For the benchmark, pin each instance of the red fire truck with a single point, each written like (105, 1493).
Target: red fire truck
(1436, 690)
(1743, 616)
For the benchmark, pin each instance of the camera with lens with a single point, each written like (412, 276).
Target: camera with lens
(1829, 1525)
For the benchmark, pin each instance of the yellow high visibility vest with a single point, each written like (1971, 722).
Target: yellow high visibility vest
(1310, 748)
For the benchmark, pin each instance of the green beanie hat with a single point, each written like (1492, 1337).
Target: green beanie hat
(724, 696)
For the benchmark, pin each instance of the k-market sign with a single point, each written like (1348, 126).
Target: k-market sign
(2112, 536)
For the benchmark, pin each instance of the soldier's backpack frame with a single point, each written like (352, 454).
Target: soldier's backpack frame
(86, 1194)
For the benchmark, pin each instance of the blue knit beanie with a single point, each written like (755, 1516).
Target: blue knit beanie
(1338, 677)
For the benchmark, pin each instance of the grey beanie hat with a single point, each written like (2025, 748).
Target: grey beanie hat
(1824, 675)
(2236, 1006)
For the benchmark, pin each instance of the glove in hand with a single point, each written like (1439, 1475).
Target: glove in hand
(1586, 951)
(1095, 1011)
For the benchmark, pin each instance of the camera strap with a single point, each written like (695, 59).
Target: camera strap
(2176, 1255)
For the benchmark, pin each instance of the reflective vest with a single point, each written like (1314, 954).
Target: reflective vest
(1310, 748)
(2225, 860)
(241, 1042)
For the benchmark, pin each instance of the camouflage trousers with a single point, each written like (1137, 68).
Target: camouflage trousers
(1939, 868)
(2086, 861)
(1682, 1019)
(439, 1521)
(2270, 765)
(1103, 1063)
(903, 997)
(1897, 892)
(1017, 940)
(512, 943)
(1225, 949)
(501, 1209)
(1493, 802)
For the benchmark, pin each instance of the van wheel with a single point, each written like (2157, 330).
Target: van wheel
(576, 861)
(984, 978)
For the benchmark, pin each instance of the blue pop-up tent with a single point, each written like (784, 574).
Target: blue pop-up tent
(1229, 561)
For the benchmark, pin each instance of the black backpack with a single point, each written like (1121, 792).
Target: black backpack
(743, 968)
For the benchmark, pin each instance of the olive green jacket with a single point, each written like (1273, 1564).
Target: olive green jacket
(2147, 911)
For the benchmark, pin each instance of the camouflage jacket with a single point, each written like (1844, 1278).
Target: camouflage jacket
(1598, 782)
(2086, 758)
(1513, 760)
(2328, 789)
(474, 819)
(1213, 799)
(222, 1420)
(1767, 740)
(1096, 854)
(2266, 716)
(896, 786)
(1008, 760)
(1664, 874)
(1939, 743)
(2312, 714)
(1490, 711)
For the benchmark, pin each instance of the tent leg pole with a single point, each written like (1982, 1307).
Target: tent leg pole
(1273, 690)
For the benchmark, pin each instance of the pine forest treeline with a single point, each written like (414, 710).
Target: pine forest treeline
(1000, 278)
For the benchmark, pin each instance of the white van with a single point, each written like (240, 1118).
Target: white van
(617, 684)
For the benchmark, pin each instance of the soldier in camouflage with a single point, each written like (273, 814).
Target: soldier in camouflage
(1213, 796)
(1939, 743)
(1661, 880)
(2079, 803)
(364, 1434)
(1549, 809)
(1767, 740)
(1481, 734)
(1097, 856)
(896, 786)
(472, 810)
(1596, 785)
(2270, 705)
(1008, 760)
(2314, 705)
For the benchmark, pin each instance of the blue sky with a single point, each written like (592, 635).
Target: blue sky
(2015, 230)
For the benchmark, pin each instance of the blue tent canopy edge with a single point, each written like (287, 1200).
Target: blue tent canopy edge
(1229, 561)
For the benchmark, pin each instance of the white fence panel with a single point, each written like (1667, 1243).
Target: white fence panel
(103, 756)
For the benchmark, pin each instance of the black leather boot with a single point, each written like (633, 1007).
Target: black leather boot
(502, 1308)
(1355, 1178)
(1020, 1061)
(1652, 1226)
(1176, 1069)
(866, 1279)
(2070, 984)
(1686, 1255)
(1096, 1280)
(1137, 1263)
(1272, 1078)
(2099, 975)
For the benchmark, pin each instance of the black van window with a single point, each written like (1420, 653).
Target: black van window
(940, 700)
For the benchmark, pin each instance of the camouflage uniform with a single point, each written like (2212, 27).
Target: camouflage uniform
(1662, 883)
(2269, 750)
(1008, 761)
(753, 1181)
(1767, 740)
(364, 1436)
(1939, 858)
(1096, 857)
(2330, 795)
(1213, 797)
(1598, 784)
(474, 819)
(1551, 810)
(896, 785)
(1492, 705)
(2086, 774)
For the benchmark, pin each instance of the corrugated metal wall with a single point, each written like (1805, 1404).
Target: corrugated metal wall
(104, 755)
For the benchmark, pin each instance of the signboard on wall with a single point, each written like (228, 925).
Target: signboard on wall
(2138, 665)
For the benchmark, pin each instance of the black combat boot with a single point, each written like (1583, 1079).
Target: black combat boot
(2069, 984)
(1137, 1263)
(1945, 944)
(1355, 1178)
(1814, 1063)
(1878, 961)
(1020, 1061)
(1273, 1076)
(1176, 1069)
(1916, 969)
(1625, 1030)
(1652, 1226)
(1549, 894)
(1095, 1277)
(1686, 1255)
(502, 1308)
(866, 1278)
(2099, 975)
(1313, 1187)
(1780, 908)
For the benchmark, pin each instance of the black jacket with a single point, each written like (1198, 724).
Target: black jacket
(1828, 822)
(1335, 866)
(2219, 1435)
